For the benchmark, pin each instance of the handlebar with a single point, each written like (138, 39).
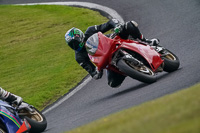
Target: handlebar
(113, 35)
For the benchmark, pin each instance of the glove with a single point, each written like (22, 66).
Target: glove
(118, 28)
(154, 42)
(14, 99)
(18, 100)
(10, 98)
(97, 74)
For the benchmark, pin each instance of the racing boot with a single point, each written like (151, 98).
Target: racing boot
(132, 29)
(153, 42)
(10, 98)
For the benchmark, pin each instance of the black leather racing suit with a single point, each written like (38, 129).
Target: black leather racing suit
(129, 28)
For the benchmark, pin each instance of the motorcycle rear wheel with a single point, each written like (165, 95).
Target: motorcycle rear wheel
(171, 61)
(36, 119)
(143, 73)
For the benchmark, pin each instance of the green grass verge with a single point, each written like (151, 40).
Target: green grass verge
(174, 113)
(35, 61)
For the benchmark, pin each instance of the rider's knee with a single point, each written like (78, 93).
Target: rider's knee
(113, 84)
(131, 25)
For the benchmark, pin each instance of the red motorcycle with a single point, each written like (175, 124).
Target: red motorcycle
(129, 57)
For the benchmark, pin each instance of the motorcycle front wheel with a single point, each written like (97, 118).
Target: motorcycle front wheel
(171, 61)
(36, 119)
(141, 73)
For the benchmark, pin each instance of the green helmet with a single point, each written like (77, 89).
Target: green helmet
(74, 38)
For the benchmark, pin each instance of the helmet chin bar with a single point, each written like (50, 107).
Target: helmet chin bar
(80, 46)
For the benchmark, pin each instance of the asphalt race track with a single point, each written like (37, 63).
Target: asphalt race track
(175, 23)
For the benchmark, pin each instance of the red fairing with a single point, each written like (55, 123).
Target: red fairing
(107, 46)
(101, 57)
(151, 56)
(25, 127)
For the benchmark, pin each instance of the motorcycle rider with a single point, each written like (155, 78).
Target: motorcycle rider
(76, 39)
(9, 97)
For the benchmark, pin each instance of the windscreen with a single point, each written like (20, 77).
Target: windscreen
(92, 44)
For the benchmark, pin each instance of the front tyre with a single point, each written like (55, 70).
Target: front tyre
(141, 73)
(36, 119)
(171, 61)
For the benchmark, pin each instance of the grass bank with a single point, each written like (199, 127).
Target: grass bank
(35, 61)
(175, 113)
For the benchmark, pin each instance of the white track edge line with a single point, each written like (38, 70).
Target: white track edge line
(79, 87)
(108, 10)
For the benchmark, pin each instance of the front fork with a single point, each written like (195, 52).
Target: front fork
(122, 54)
(161, 50)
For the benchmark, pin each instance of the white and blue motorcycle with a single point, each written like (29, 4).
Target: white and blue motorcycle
(22, 119)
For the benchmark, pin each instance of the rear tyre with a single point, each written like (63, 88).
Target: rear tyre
(37, 121)
(141, 73)
(171, 61)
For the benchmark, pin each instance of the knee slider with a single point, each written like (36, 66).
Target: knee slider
(113, 84)
(134, 23)
(131, 25)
